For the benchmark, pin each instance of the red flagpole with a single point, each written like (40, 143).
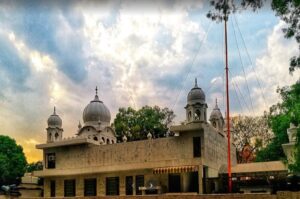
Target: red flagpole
(227, 112)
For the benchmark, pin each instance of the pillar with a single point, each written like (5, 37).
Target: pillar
(200, 181)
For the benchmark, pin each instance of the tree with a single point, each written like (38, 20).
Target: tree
(137, 124)
(12, 160)
(273, 151)
(253, 130)
(280, 116)
(34, 166)
(287, 10)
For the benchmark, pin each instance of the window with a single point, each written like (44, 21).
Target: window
(52, 188)
(107, 141)
(69, 188)
(95, 138)
(112, 186)
(129, 183)
(90, 187)
(139, 181)
(197, 146)
(56, 136)
(50, 160)
(197, 114)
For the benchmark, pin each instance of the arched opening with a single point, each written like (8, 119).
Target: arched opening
(197, 114)
(112, 141)
(107, 141)
(56, 136)
(103, 139)
(95, 138)
(214, 124)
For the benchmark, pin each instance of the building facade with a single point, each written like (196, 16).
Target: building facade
(93, 163)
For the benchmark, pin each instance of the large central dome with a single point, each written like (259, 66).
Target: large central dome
(96, 111)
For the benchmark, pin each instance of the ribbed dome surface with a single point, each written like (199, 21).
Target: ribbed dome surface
(54, 120)
(96, 111)
(196, 94)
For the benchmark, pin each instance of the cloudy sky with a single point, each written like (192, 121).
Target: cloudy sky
(137, 53)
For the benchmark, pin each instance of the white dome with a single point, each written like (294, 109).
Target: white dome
(196, 94)
(216, 113)
(54, 120)
(96, 111)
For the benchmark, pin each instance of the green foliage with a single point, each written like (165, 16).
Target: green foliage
(273, 150)
(12, 160)
(34, 166)
(136, 124)
(287, 10)
(281, 115)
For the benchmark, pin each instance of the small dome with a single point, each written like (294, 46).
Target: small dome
(196, 94)
(54, 120)
(216, 113)
(96, 111)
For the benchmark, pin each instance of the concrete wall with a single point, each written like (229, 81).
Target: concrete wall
(84, 159)
(215, 151)
(137, 158)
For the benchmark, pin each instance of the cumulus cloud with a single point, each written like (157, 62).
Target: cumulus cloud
(60, 55)
(271, 69)
(139, 44)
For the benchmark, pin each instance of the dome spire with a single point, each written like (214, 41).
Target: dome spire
(196, 85)
(54, 111)
(79, 125)
(96, 96)
(216, 103)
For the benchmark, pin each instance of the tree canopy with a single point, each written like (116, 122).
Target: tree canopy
(136, 124)
(12, 160)
(254, 130)
(287, 10)
(34, 166)
(280, 116)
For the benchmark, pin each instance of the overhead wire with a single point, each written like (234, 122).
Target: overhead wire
(251, 63)
(240, 92)
(191, 66)
(243, 68)
(237, 96)
(250, 60)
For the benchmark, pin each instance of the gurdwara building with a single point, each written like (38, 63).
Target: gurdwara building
(93, 163)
